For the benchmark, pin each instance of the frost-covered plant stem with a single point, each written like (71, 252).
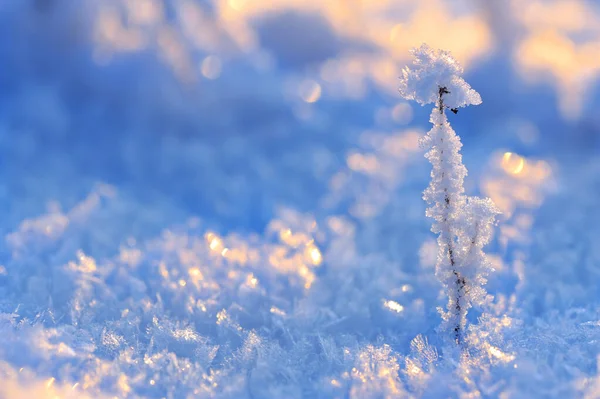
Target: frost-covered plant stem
(441, 156)
(460, 281)
(463, 224)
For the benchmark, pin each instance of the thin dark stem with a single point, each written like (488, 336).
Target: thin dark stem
(441, 92)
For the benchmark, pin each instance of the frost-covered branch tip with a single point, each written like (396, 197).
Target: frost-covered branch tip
(431, 71)
(463, 224)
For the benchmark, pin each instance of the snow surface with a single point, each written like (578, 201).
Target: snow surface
(188, 209)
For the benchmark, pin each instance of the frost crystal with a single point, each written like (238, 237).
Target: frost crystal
(434, 69)
(463, 224)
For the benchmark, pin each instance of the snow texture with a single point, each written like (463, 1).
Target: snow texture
(431, 70)
(190, 209)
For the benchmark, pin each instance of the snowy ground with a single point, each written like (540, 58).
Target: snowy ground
(222, 198)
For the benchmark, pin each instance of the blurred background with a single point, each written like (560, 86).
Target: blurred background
(228, 109)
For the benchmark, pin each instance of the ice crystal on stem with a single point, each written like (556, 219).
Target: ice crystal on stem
(463, 224)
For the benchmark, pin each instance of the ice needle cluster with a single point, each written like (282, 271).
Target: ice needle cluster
(463, 224)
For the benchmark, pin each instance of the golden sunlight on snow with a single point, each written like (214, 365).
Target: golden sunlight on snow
(390, 27)
(215, 243)
(23, 384)
(521, 183)
(513, 163)
(556, 42)
(517, 185)
(549, 51)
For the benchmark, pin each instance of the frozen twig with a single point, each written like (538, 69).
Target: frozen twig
(463, 224)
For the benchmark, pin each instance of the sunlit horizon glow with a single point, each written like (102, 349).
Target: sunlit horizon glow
(545, 51)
